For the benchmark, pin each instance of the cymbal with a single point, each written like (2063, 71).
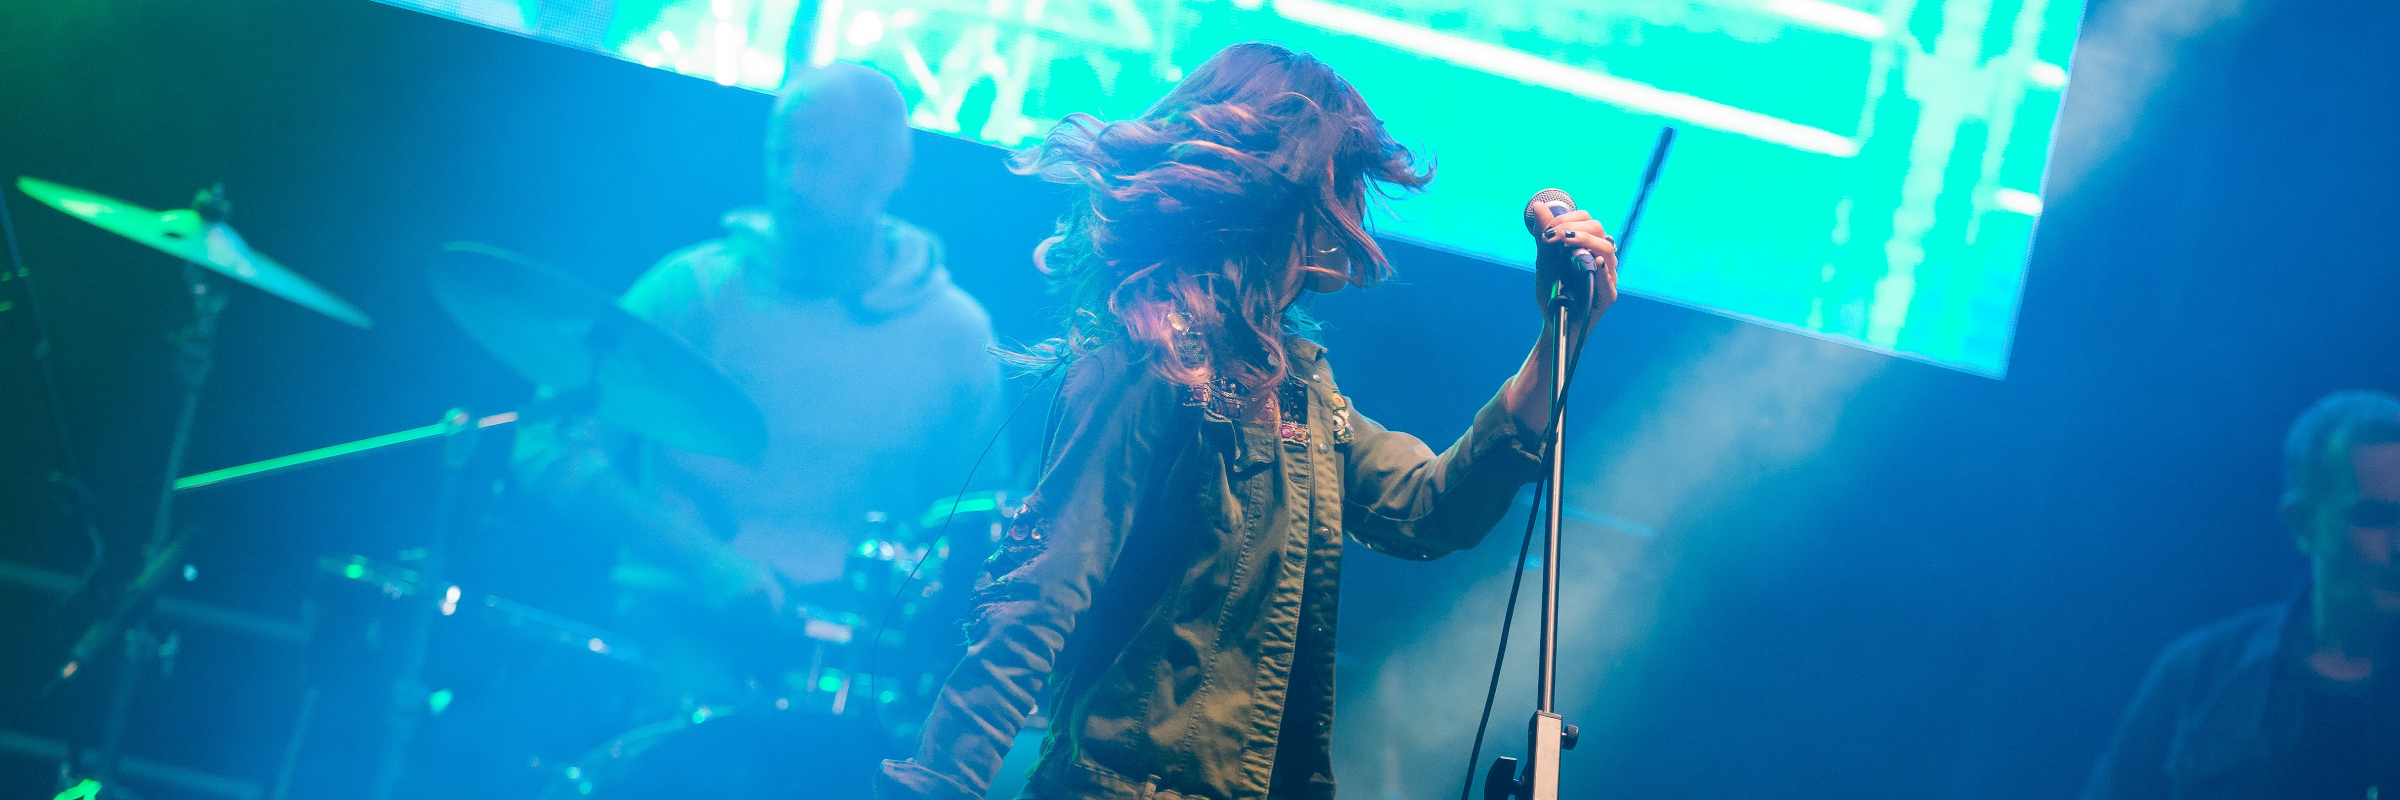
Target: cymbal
(557, 332)
(182, 233)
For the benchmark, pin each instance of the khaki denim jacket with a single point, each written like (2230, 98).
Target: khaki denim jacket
(1172, 581)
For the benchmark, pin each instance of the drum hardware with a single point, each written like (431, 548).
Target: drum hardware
(586, 356)
(460, 438)
(200, 237)
(78, 762)
(459, 432)
(402, 583)
(167, 606)
(193, 782)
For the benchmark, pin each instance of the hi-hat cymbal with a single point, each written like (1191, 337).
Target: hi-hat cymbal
(182, 233)
(559, 333)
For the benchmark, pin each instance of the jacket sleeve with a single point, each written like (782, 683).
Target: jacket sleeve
(1401, 499)
(2134, 767)
(1102, 437)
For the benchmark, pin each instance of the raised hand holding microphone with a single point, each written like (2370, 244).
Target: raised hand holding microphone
(1567, 242)
(1572, 247)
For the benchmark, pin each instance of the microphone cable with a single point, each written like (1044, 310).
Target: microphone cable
(1508, 617)
(875, 644)
(1558, 412)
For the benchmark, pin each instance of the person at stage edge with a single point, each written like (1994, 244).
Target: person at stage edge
(875, 373)
(2291, 699)
(1172, 577)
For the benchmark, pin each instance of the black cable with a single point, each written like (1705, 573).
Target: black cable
(66, 483)
(41, 338)
(875, 644)
(1558, 412)
(1508, 618)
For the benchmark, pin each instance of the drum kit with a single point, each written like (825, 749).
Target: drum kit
(804, 723)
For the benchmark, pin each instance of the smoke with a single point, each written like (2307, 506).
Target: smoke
(1750, 401)
(2127, 49)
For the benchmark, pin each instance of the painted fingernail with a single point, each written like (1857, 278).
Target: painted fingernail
(1570, 234)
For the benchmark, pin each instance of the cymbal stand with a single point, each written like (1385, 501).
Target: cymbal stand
(408, 706)
(193, 358)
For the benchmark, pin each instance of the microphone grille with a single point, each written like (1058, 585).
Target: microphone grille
(1543, 198)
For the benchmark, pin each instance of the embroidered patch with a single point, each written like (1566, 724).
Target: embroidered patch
(1341, 419)
(1224, 399)
(1292, 402)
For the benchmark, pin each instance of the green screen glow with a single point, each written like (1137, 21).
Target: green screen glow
(1864, 170)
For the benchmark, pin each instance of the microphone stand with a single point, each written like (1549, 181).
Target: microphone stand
(1547, 733)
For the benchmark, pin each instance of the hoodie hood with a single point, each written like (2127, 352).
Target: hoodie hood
(913, 269)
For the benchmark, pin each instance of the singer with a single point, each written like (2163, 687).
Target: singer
(1173, 576)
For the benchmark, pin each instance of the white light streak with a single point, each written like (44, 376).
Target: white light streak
(728, 45)
(865, 29)
(2026, 203)
(1827, 16)
(1537, 71)
(2046, 75)
(820, 52)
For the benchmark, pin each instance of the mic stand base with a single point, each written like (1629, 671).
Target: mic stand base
(1549, 735)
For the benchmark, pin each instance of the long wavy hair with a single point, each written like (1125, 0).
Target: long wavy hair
(1193, 236)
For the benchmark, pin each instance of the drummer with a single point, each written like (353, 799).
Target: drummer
(873, 370)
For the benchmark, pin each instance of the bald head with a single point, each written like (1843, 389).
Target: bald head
(837, 147)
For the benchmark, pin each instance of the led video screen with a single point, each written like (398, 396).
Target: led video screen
(1867, 171)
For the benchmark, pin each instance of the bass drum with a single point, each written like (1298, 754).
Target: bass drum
(732, 754)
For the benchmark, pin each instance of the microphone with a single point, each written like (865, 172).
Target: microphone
(1559, 204)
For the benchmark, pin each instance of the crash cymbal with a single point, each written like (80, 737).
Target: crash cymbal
(573, 340)
(184, 234)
